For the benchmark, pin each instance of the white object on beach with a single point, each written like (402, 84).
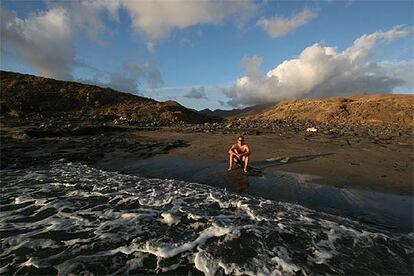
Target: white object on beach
(280, 159)
(312, 129)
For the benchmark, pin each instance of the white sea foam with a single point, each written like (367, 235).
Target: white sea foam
(79, 220)
(170, 251)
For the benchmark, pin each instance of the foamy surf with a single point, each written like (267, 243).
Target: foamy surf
(69, 218)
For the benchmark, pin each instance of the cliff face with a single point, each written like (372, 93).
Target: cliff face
(25, 96)
(375, 109)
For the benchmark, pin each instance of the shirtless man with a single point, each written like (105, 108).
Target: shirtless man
(239, 152)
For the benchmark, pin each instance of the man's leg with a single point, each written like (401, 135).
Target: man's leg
(230, 162)
(246, 163)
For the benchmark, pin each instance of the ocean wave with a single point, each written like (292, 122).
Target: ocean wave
(69, 218)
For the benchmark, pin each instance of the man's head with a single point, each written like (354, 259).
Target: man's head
(240, 140)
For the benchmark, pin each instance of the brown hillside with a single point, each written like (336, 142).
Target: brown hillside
(26, 96)
(359, 109)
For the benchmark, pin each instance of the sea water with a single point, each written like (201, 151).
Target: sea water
(69, 218)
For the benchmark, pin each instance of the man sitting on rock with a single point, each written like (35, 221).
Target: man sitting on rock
(239, 154)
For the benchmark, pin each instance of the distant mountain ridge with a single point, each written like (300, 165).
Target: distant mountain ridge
(221, 113)
(27, 95)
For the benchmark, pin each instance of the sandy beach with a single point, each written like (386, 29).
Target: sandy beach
(343, 163)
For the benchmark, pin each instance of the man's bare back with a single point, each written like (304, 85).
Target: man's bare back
(239, 152)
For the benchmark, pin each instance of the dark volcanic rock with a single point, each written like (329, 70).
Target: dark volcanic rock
(378, 133)
(21, 152)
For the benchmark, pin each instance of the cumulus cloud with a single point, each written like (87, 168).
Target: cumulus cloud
(43, 41)
(318, 72)
(280, 26)
(361, 47)
(196, 93)
(156, 19)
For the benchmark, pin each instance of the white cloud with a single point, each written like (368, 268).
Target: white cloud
(43, 41)
(156, 19)
(196, 93)
(280, 26)
(361, 47)
(320, 71)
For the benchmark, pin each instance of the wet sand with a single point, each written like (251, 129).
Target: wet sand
(349, 163)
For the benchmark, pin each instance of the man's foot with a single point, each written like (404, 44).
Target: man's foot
(245, 171)
(229, 169)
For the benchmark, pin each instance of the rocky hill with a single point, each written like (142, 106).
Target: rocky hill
(378, 109)
(27, 96)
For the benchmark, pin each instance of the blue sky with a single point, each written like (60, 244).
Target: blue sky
(215, 54)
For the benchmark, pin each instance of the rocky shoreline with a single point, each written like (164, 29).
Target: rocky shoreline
(78, 126)
(36, 144)
(380, 133)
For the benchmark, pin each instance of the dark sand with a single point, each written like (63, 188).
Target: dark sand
(356, 163)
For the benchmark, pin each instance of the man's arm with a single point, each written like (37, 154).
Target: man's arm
(247, 152)
(231, 150)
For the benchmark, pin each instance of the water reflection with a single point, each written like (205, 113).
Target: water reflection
(237, 181)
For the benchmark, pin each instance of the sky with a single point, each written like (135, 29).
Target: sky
(215, 54)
